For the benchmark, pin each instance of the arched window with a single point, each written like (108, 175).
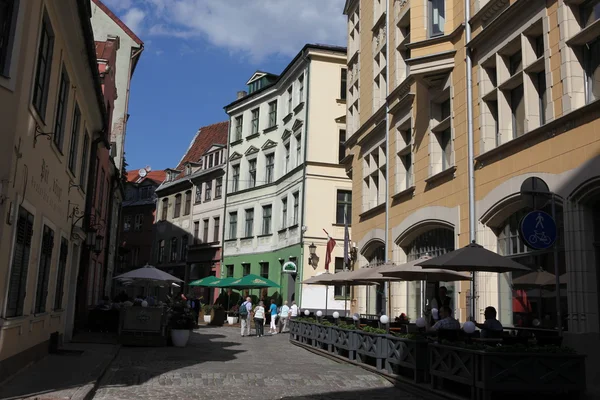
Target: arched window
(434, 243)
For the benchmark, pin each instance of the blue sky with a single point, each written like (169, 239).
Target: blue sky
(199, 53)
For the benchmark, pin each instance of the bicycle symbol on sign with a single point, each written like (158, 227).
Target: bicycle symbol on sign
(539, 236)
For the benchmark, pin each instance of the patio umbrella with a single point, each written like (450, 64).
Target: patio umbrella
(251, 281)
(203, 281)
(538, 278)
(148, 273)
(370, 275)
(318, 279)
(473, 258)
(220, 282)
(410, 271)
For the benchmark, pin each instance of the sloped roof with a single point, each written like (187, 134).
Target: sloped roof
(156, 176)
(205, 138)
(118, 21)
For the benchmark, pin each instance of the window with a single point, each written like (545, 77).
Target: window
(44, 67)
(177, 209)
(196, 231)
(298, 151)
(252, 173)
(84, 162)
(445, 142)
(198, 197)
(135, 256)
(272, 113)
(218, 188)
(290, 106)
(74, 139)
(342, 146)
(233, 225)
(205, 223)
(235, 178)
(296, 206)
(7, 24)
(217, 227)
(239, 121)
(60, 273)
(433, 243)
(590, 13)
(184, 247)
(20, 264)
(41, 292)
(264, 270)
(270, 167)
(343, 83)
(210, 161)
(229, 271)
(344, 207)
(245, 269)
(127, 223)
(208, 192)
(174, 249)
(592, 67)
(139, 222)
(165, 208)
(374, 162)
(437, 14)
(287, 157)
(145, 192)
(266, 225)
(301, 89)
(188, 203)
(255, 117)
(283, 213)
(515, 62)
(61, 109)
(517, 108)
(542, 99)
(339, 290)
(249, 228)
(161, 251)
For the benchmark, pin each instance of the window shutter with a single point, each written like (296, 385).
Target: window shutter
(60, 278)
(44, 270)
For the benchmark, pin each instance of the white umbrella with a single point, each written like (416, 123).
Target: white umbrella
(148, 273)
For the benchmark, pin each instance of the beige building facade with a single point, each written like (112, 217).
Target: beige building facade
(51, 111)
(535, 89)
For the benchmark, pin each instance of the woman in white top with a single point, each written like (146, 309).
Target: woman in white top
(259, 319)
(293, 310)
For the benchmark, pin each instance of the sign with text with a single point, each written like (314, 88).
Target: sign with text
(290, 267)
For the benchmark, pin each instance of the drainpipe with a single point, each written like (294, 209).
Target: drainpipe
(470, 145)
(301, 264)
(386, 285)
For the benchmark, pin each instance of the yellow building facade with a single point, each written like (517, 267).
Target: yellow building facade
(535, 90)
(51, 113)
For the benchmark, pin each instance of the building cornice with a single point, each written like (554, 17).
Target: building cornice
(369, 125)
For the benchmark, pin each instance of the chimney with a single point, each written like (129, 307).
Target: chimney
(241, 94)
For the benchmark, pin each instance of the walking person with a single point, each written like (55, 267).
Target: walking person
(283, 317)
(259, 319)
(293, 310)
(272, 326)
(245, 317)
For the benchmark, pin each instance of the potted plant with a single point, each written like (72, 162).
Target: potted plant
(232, 315)
(181, 323)
(207, 308)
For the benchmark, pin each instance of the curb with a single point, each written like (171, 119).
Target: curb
(87, 391)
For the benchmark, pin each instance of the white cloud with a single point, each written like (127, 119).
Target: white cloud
(256, 28)
(159, 52)
(133, 18)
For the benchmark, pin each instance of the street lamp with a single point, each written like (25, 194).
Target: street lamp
(312, 258)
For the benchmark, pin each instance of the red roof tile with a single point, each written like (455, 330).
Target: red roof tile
(206, 137)
(156, 176)
(118, 22)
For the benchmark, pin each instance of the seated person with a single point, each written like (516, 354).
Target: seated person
(491, 327)
(446, 322)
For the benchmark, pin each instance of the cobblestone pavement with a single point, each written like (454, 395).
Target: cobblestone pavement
(219, 364)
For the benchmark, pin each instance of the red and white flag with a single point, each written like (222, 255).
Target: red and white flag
(330, 247)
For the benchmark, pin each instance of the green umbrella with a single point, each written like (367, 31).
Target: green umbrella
(203, 281)
(251, 281)
(220, 282)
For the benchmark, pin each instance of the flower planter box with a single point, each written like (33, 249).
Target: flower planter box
(207, 319)
(344, 339)
(407, 353)
(232, 320)
(487, 372)
(371, 345)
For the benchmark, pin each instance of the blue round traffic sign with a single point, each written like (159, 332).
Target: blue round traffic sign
(538, 230)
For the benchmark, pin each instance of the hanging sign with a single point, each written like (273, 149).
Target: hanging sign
(538, 230)
(290, 267)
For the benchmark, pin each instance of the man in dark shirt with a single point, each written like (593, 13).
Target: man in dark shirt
(491, 327)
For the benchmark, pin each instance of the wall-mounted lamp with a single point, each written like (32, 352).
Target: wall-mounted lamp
(313, 259)
(40, 132)
(93, 241)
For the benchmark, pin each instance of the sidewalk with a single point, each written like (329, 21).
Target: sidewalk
(71, 374)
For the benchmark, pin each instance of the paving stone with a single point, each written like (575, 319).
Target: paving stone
(219, 363)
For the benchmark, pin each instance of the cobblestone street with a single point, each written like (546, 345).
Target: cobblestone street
(218, 363)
